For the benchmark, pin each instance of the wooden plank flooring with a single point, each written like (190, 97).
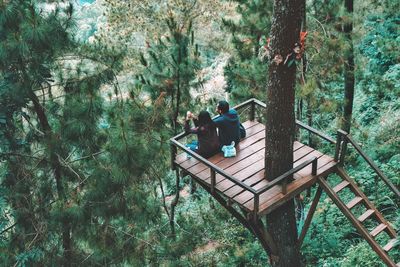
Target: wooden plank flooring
(248, 167)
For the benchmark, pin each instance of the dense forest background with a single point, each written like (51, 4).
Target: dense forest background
(90, 94)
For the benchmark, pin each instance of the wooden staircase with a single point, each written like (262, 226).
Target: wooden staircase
(359, 222)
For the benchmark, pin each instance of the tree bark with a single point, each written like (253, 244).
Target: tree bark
(349, 79)
(173, 206)
(280, 125)
(56, 166)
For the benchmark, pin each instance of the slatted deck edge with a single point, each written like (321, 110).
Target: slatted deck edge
(251, 152)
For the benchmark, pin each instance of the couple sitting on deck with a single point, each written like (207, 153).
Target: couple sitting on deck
(209, 143)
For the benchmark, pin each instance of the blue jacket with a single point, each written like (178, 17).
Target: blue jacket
(228, 127)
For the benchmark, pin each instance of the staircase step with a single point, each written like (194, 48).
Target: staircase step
(354, 202)
(390, 244)
(378, 229)
(365, 215)
(341, 186)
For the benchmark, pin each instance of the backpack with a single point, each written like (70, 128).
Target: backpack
(242, 131)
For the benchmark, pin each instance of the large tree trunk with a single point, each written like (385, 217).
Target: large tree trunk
(56, 166)
(280, 125)
(348, 70)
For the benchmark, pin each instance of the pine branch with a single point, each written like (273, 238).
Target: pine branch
(65, 164)
(19, 155)
(131, 236)
(86, 157)
(162, 191)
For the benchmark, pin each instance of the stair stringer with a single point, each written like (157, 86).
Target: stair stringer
(342, 173)
(360, 228)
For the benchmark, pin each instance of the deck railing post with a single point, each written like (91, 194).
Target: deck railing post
(173, 155)
(253, 111)
(284, 186)
(343, 146)
(314, 166)
(338, 143)
(212, 181)
(256, 203)
(343, 151)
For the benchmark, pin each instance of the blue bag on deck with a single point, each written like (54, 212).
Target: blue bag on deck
(229, 150)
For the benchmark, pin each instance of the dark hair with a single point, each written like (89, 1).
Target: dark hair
(204, 118)
(223, 106)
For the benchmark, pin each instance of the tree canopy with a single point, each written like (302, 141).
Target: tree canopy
(86, 118)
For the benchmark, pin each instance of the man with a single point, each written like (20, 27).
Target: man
(228, 124)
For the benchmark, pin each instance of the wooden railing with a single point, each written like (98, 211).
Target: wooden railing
(282, 180)
(299, 124)
(343, 139)
(214, 170)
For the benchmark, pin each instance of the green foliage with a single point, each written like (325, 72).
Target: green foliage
(352, 256)
(328, 225)
(170, 65)
(74, 159)
(246, 72)
(67, 177)
(380, 47)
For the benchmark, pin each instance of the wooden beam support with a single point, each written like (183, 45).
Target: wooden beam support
(267, 237)
(264, 236)
(310, 215)
(253, 223)
(234, 212)
(212, 181)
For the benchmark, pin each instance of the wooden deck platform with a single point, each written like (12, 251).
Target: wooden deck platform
(248, 168)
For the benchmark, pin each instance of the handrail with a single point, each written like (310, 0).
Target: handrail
(284, 176)
(212, 166)
(244, 104)
(385, 179)
(316, 132)
(258, 102)
(237, 107)
(254, 101)
(302, 125)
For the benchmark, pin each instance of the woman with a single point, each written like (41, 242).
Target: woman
(208, 142)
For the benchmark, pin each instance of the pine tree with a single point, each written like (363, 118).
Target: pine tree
(245, 71)
(171, 64)
(77, 168)
(30, 44)
(280, 121)
(349, 80)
